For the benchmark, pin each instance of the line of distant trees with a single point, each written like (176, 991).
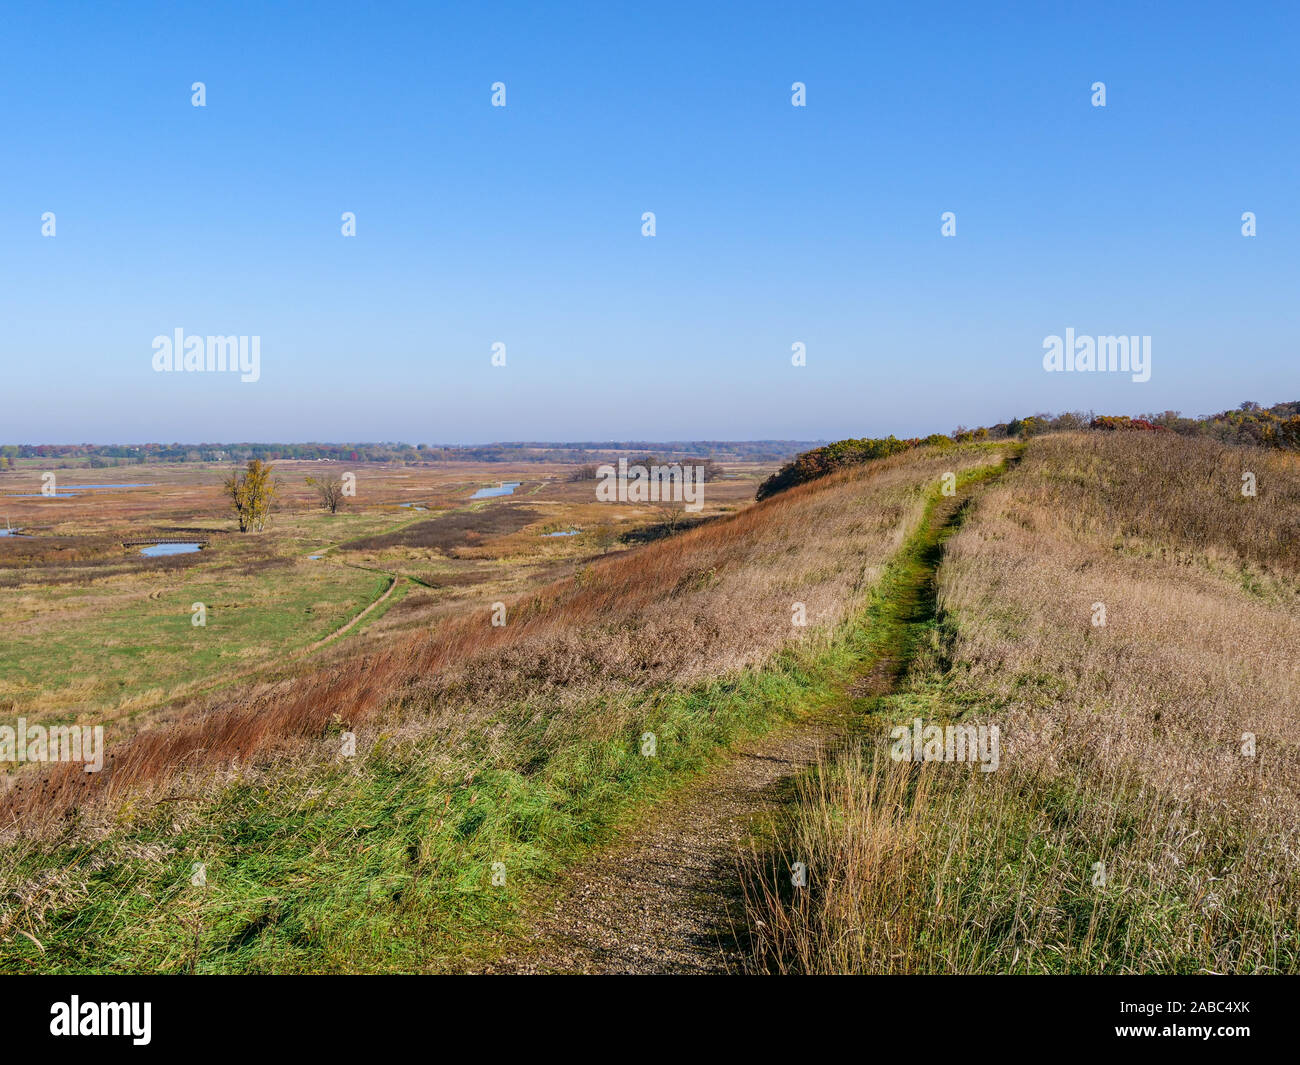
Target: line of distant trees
(105, 455)
(1250, 425)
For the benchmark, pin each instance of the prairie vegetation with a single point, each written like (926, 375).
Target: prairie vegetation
(1274, 427)
(1144, 815)
(1250, 424)
(1142, 818)
(842, 454)
(475, 744)
(459, 528)
(720, 600)
(94, 631)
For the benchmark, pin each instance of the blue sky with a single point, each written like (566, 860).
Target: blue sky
(522, 224)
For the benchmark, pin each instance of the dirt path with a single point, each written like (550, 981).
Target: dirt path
(393, 582)
(664, 897)
(657, 901)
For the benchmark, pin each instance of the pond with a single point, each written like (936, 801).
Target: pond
(92, 487)
(507, 488)
(67, 491)
(571, 532)
(157, 550)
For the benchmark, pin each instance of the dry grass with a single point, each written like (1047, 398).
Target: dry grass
(712, 600)
(1121, 744)
(1202, 636)
(457, 528)
(928, 867)
(80, 607)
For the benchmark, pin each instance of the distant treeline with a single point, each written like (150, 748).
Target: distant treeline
(406, 454)
(1249, 425)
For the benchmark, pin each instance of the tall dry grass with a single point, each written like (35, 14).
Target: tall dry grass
(1126, 830)
(934, 868)
(1202, 608)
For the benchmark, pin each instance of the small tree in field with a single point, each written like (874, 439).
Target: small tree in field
(330, 490)
(250, 494)
(605, 537)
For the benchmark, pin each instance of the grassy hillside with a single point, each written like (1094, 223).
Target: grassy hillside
(1144, 813)
(248, 839)
(1113, 602)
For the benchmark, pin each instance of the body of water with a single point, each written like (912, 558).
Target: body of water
(155, 550)
(67, 491)
(507, 488)
(571, 532)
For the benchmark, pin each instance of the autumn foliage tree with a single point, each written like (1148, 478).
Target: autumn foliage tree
(250, 494)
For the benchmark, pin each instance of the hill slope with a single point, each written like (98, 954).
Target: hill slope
(1130, 620)
(246, 839)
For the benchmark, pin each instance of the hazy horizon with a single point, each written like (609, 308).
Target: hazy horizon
(646, 441)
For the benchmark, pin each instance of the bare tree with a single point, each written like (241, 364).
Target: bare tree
(672, 512)
(330, 490)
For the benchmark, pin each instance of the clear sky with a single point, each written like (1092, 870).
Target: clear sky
(522, 225)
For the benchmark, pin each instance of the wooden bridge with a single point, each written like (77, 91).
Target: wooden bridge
(161, 540)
